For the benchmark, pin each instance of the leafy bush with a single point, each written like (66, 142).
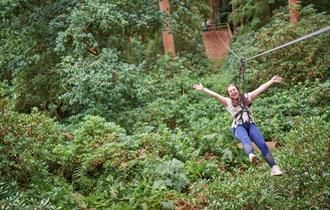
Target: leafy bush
(103, 86)
(171, 174)
(27, 163)
(26, 145)
(305, 157)
(93, 144)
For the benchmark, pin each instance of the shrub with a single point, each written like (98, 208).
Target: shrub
(26, 145)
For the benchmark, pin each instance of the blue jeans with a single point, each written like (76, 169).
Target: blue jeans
(248, 131)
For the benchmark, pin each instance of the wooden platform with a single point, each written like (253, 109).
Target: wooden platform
(271, 145)
(214, 47)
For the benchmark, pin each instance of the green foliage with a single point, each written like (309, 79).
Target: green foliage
(5, 94)
(27, 160)
(26, 142)
(306, 60)
(169, 87)
(171, 174)
(320, 5)
(306, 161)
(104, 85)
(37, 45)
(303, 156)
(27, 58)
(253, 14)
(277, 114)
(203, 169)
(136, 134)
(90, 148)
(186, 24)
(100, 24)
(42, 194)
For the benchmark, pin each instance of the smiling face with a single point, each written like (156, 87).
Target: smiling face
(233, 92)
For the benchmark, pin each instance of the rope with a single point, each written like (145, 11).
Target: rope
(292, 42)
(241, 74)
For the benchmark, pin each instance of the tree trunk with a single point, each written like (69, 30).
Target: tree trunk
(214, 7)
(294, 14)
(241, 8)
(168, 40)
(233, 7)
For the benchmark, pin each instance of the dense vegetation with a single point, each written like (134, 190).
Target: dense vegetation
(94, 116)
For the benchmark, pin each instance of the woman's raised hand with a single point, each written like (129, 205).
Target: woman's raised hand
(199, 87)
(277, 79)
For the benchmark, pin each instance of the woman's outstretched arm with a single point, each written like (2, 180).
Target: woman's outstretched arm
(265, 86)
(220, 98)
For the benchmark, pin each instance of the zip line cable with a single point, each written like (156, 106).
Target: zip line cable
(292, 42)
(243, 60)
(325, 29)
(226, 45)
(218, 48)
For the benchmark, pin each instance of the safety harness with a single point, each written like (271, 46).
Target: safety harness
(241, 113)
(241, 103)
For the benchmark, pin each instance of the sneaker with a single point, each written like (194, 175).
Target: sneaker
(276, 171)
(253, 159)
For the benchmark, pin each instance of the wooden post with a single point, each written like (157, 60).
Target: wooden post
(214, 8)
(294, 14)
(168, 40)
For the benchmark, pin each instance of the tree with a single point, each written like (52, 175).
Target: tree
(294, 14)
(168, 40)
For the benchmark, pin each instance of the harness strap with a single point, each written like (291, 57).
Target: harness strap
(248, 114)
(241, 112)
(241, 74)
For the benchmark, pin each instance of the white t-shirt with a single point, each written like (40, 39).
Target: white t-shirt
(234, 111)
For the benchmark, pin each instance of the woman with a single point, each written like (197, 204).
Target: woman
(243, 126)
